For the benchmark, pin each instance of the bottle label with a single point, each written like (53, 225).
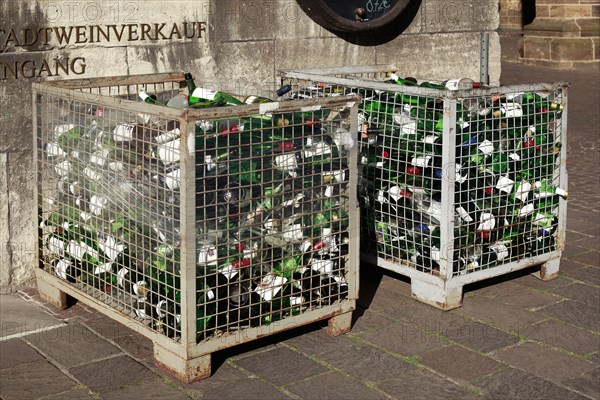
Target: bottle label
(63, 168)
(173, 179)
(167, 137)
(435, 209)
(296, 301)
(501, 251)
(60, 129)
(92, 174)
(123, 133)
(121, 276)
(505, 184)
(464, 215)
(293, 233)
(319, 149)
(269, 286)
(139, 288)
(487, 222)
(421, 161)
(110, 247)
(286, 162)
(512, 110)
(201, 93)
(54, 150)
(229, 271)
(56, 246)
(78, 250)
(207, 255)
(429, 139)
(103, 268)
(526, 210)
(473, 265)
(98, 204)
(61, 268)
(169, 152)
(486, 147)
(322, 266)
(522, 192)
(435, 254)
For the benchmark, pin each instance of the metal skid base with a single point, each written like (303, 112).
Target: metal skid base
(448, 294)
(194, 363)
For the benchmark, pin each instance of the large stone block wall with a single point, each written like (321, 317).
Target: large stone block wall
(237, 46)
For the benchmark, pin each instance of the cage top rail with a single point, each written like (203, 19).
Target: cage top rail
(90, 83)
(326, 76)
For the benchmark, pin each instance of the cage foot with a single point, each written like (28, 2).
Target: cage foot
(52, 295)
(186, 371)
(548, 270)
(339, 324)
(442, 297)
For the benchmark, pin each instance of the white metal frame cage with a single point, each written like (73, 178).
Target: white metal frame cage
(199, 228)
(455, 186)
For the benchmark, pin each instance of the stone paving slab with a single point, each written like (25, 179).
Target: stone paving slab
(478, 336)
(544, 362)
(248, 389)
(421, 384)
(403, 339)
(589, 275)
(318, 342)
(156, 390)
(72, 345)
(514, 384)
(15, 352)
(112, 374)
(582, 293)
(334, 386)
(281, 366)
(33, 380)
(76, 393)
(460, 363)
(366, 363)
(365, 320)
(516, 295)
(573, 312)
(509, 318)
(19, 317)
(587, 383)
(565, 336)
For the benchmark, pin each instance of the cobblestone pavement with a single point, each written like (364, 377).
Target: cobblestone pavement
(515, 337)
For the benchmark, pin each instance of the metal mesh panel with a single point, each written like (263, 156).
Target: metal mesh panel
(269, 190)
(453, 182)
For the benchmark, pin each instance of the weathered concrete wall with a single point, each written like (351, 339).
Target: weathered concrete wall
(237, 45)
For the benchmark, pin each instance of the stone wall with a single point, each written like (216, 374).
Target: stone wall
(236, 45)
(564, 34)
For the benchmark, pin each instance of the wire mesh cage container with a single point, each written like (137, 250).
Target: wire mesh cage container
(201, 227)
(457, 182)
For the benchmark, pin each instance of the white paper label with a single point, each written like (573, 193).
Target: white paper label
(500, 249)
(522, 192)
(229, 271)
(123, 132)
(173, 179)
(98, 204)
(207, 255)
(505, 184)
(92, 174)
(203, 93)
(487, 222)
(54, 150)
(60, 129)
(116, 166)
(429, 139)
(269, 286)
(435, 254)
(110, 247)
(526, 210)
(486, 147)
(464, 215)
(512, 110)
(435, 209)
(167, 137)
(78, 250)
(63, 168)
(99, 157)
(514, 157)
(422, 161)
(322, 266)
(102, 268)
(61, 268)
(121, 276)
(317, 150)
(286, 162)
(56, 246)
(293, 233)
(169, 152)
(85, 217)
